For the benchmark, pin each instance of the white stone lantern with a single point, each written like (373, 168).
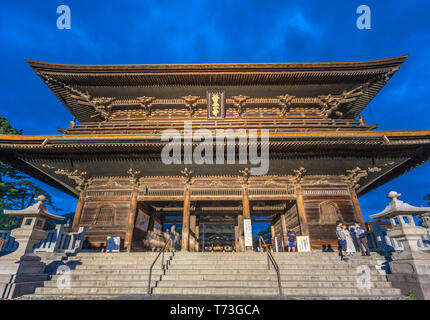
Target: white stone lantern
(22, 271)
(31, 230)
(410, 269)
(404, 229)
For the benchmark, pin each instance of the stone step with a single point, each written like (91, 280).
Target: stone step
(264, 260)
(102, 256)
(110, 277)
(62, 296)
(274, 291)
(122, 264)
(214, 277)
(78, 285)
(266, 283)
(115, 266)
(231, 297)
(271, 277)
(321, 271)
(143, 290)
(262, 266)
(103, 283)
(117, 271)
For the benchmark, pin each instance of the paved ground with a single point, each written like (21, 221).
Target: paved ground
(198, 297)
(231, 297)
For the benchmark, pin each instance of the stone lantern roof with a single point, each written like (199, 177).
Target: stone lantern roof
(398, 208)
(36, 210)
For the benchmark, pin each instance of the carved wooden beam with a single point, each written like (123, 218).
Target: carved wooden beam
(298, 175)
(239, 102)
(354, 176)
(285, 103)
(187, 174)
(191, 103)
(245, 174)
(146, 103)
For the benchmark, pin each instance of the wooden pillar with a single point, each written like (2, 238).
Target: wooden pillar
(272, 230)
(357, 209)
(246, 211)
(236, 238)
(284, 229)
(192, 236)
(186, 219)
(79, 209)
(196, 245)
(131, 218)
(240, 234)
(301, 212)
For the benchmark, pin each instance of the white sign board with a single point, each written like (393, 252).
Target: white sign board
(303, 244)
(247, 228)
(113, 244)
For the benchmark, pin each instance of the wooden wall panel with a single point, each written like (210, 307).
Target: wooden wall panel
(321, 233)
(100, 232)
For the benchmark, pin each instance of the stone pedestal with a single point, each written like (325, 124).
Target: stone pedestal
(411, 276)
(20, 277)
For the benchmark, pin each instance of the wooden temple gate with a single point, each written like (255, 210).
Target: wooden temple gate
(305, 208)
(322, 152)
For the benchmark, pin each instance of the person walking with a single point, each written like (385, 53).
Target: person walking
(360, 234)
(341, 240)
(350, 248)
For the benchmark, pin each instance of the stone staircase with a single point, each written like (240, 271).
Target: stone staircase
(314, 275)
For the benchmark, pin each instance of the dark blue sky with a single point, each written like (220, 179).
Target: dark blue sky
(144, 32)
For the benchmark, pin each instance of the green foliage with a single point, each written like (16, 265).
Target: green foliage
(266, 235)
(17, 191)
(427, 197)
(412, 296)
(6, 128)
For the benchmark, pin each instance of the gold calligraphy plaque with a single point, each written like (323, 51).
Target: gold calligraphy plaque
(216, 104)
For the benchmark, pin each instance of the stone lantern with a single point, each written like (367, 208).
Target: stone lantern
(410, 268)
(31, 230)
(22, 271)
(426, 219)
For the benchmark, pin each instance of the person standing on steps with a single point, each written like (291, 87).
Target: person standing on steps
(362, 240)
(350, 247)
(341, 239)
(291, 235)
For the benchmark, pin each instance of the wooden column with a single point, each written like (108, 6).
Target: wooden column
(196, 245)
(79, 209)
(131, 218)
(301, 212)
(186, 219)
(357, 209)
(284, 229)
(192, 236)
(246, 211)
(272, 230)
(236, 238)
(240, 234)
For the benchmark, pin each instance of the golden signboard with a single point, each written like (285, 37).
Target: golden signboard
(216, 104)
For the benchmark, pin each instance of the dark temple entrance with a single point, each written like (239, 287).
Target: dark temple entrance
(217, 236)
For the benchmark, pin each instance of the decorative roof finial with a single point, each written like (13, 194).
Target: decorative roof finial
(41, 199)
(393, 195)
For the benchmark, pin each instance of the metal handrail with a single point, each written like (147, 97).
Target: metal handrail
(271, 259)
(163, 249)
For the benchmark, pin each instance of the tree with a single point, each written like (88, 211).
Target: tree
(17, 190)
(266, 235)
(427, 197)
